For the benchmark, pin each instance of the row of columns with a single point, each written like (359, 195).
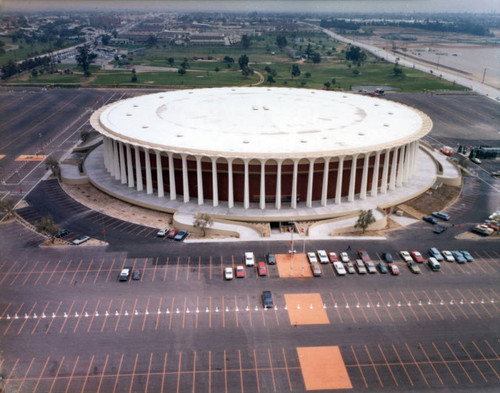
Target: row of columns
(402, 167)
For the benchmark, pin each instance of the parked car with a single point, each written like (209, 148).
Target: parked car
(441, 216)
(350, 268)
(315, 268)
(62, 233)
(439, 229)
(434, 252)
(339, 268)
(476, 160)
(413, 267)
(125, 274)
(172, 233)
(162, 232)
(430, 220)
(394, 269)
(323, 256)
(482, 229)
(333, 257)
(467, 256)
(80, 239)
(249, 259)
(344, 257)
(406, 256)
(382, 267)
(386, 256)
(448, 256)
(417, 256)
(364, 256)
(262, 269)
(228, 273)
(136, 275)
(181, 235)
(360, 265)
(240, 271)
(434, 264)
(267, 299)
(458, 257)
(371, 267)
(446, 150)
(271, 259)
(312, 257)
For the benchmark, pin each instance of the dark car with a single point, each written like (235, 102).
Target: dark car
(439, 229)
(136, 275)
(62, 233)
(267, 299)
(364, 256)
(271, 259)
(430, 219)
(386, 256)
(467, 256)
(441, 216)
(382, 267)
(181, 235)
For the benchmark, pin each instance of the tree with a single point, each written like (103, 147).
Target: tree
(245, 41)
(316, 57)
(151, 41)
(355, 54)
(185, 63)
(52, 164)
(308, 74)
(245, 68)
(355, 71)
(134, 76)
(34, 73)
(327, 85)
(105, 39)
(171, 61)
(47, 226)
(181, 71)
(281, 41)
(7, 207)
(84, 135)
(84, 58)
(270, 79)
(397, 71)
(203, 221)
(309, 51)
(295, 70)
(365, 219)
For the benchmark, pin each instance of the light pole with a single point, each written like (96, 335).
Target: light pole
(303, 250)
(291, 251)
(103, 231)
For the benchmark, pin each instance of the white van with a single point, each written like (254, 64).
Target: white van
(323, 257)
(249, 259)
(434, 264)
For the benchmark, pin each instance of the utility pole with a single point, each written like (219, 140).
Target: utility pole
(484, 74)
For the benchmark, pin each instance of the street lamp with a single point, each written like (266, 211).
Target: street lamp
(103, 231)
(291, 251)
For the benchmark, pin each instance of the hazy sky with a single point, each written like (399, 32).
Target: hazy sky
(488, 6)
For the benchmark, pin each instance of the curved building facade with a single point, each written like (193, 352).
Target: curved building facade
(261, 147)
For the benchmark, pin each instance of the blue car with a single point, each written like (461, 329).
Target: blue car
(467, 256)
(181, 235)
(434, 252)
(430, 220)
(458, 257)
(442, 216)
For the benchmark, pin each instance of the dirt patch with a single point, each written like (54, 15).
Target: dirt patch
(433, 200)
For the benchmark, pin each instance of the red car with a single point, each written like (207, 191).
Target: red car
(417, 256)
(171, 234)
(333, 257)
(240, 271)
(364, 256)
(393, 269)
(262, 269)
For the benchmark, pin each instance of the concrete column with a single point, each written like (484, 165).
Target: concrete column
(215, 190)
(109, 154)
(407, 163)
(138, 168)
(385, 172)
(123, 171)
(130, 170)
(116, 161)
(230, 193)
(376, 169)
(199, 180)
(392, 181)
(401, 167)
(149, 181)
(324, 189)
(294, 183)
(105, 146)
(171, 176)
(340, 173)
(185, 180)
(364, 178)
(352, 181)
(310, 178)
(246, 189)
(263, 184)
(159, 175)
(415, 154)
(278, 185)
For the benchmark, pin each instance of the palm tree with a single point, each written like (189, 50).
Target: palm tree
(52, 164)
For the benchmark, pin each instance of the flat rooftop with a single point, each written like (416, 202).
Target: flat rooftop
(262, 122)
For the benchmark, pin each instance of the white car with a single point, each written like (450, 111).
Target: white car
(344, 257)
(312, 257)
(406, 256)
(323, 256)
(249, 259)
(228, 273)
(448, 256)
(371, 267)
(339, 268)
(162, 232)
(80, 239)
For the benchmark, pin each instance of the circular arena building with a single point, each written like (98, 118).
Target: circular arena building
(261, 149)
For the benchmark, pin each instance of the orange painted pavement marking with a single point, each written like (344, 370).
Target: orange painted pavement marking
(10, 375)
(194, 370)
(66, 319)
(241, 371)
(249, 314)
(305, 315)
(485, 309)
(492, 350)
(338, 312)
(110, 269)
(102, 374)
(99, 271)
(2, 156)
(144, 269)
(76, 271)
(373, 365)
(30, 158)
(18, 273)
(209, 371)
(199, 267)
(411, 308)
(154, 270)
(171, 314)
(235, 307)
(149, 372)
(87, 375)
(41, 374)
(459, 362)
(132, 313)
(323, 368)
(118, 374)
(362, 308)
(472, 308)
(423, 308)
(430, 362)
(53, 319)
(388, 365)
(80, 316)
(72, 374)
(57, 375)
(256, 371)
(385, 306)
(93, 315)
(187, 270)
(473, 361)
(145, 315)
(8, 272)
(119, 315)
(179, 372)
(88, 270)
(225, 372)
(39, 319)
(487, 299)
(359, 366)
(158, 315)
(487, 361)
(6, 309)
(41, 273)
(372, 306)
(164, 372)
(398, 308)
(25, 375)
(271, 366)
(60, 280)
(444, 362)
(177, 268)
(105, 316)
(133, 373)
(441, 299)
(433, 305)
(458, 304)
(12, 320)
(286, 369)
(184, 312)
(197, 304)
(26, 320)
(284, 264)
(166, 269)
(29, 274)
(402, 364)
(350, 312)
